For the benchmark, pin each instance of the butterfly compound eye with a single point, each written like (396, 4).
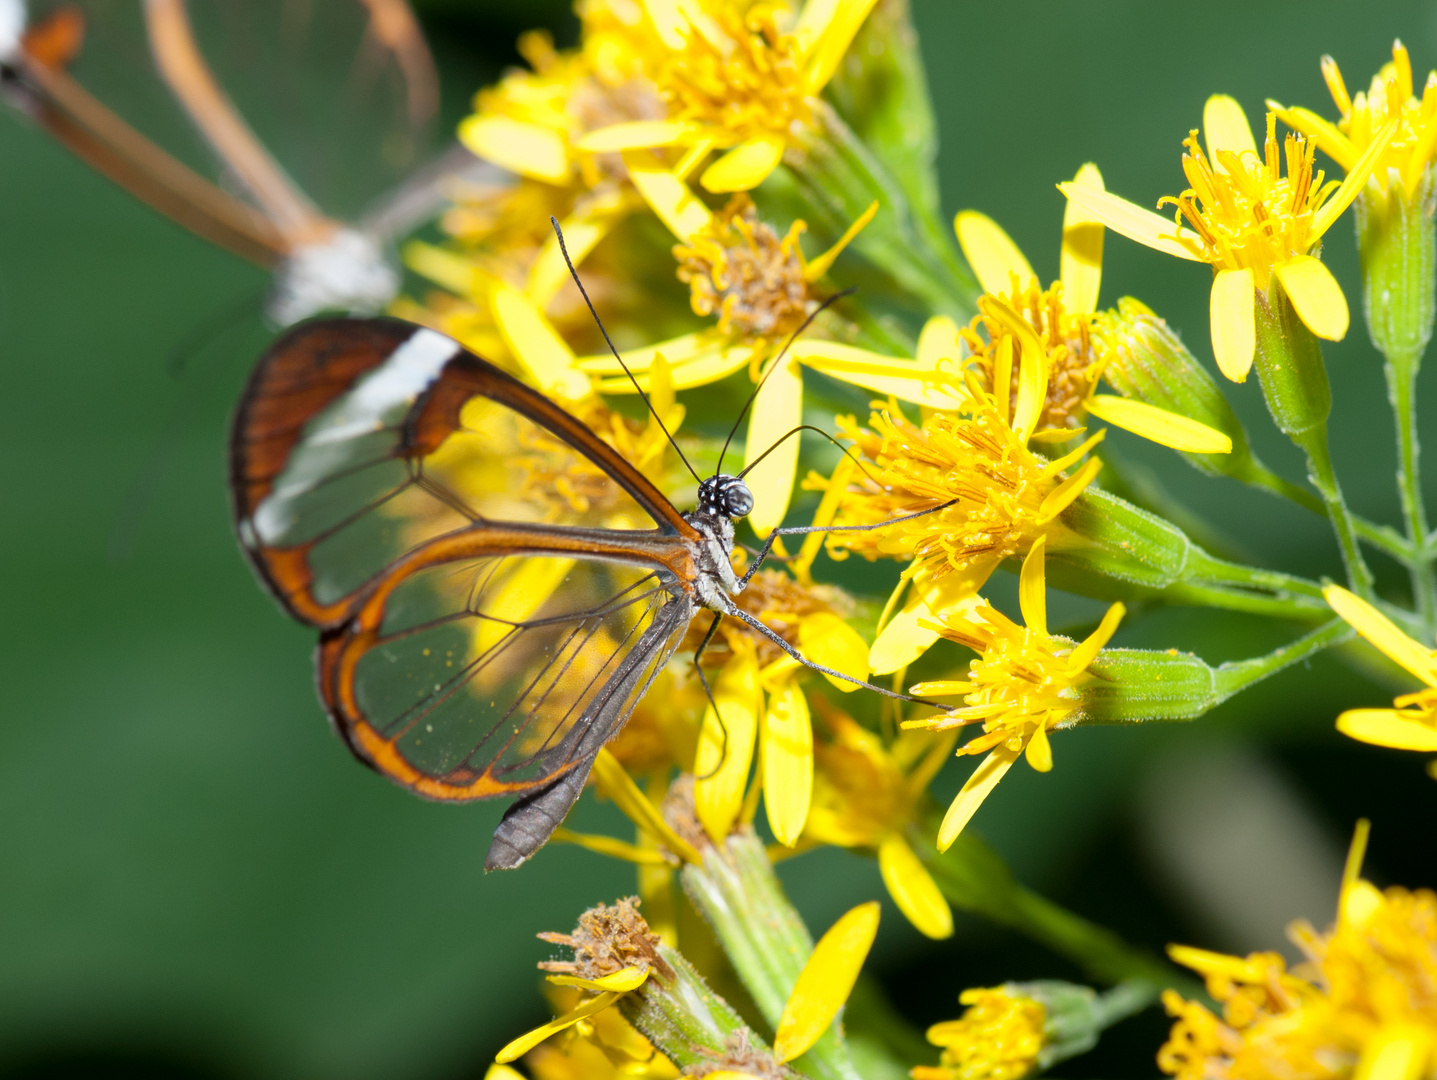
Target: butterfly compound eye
(737, 499)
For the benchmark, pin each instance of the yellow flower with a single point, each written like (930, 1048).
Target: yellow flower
(997, 1038)
(1017, 314)
(1024, 684)
(734, 76)
(761, 287)
(866, 795)
(604, 1046)
(1250, 223)
(1390, 98)
(1363, 1006)
(1003, 498)
(760, 702)
(1411, 723)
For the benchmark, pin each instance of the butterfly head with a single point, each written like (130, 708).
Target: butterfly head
(726, 495)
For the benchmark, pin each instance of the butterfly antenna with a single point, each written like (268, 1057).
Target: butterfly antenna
(563, 250)
(774, 367)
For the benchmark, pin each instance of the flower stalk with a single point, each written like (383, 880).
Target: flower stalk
(1299, 397)
(1397, 243)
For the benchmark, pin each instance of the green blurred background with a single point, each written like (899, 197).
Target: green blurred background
(197, 880)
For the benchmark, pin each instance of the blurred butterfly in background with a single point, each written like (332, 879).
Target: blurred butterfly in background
(481, 634)
(348, 87)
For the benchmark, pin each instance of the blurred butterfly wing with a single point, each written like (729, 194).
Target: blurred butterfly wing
(342, 93)
(496, 585)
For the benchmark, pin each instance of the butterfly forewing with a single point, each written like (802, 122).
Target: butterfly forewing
(496, 584)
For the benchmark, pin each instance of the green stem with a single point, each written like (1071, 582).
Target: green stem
(1240, 674)
(739, 896)
(1198, 594)
(1386, 538)
(1401, 386)
(679, 1014)
(1124, 1000)
(1313, 442)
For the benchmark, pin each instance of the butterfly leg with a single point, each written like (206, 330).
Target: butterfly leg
(698, 655)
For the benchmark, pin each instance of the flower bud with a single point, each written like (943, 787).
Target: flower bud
(1397, 243)
(1290, 367)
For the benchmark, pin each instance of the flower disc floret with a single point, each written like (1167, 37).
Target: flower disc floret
(998, 1037)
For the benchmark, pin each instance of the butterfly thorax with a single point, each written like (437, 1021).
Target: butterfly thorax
(721, 499)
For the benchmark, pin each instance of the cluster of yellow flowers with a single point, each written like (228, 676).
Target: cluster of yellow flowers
(690, 143)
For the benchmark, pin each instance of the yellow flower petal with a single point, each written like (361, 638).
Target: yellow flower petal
(544, 355)
(1225, 127)
(913, 889)
(668, 196)
(612, 847)
(1062, 496)
(991, 253)
(1081, 263)
(530, 150)
(1324, 133)
(1205, 962)
(1093, 644)
(700, 371)
(618, 982)
(446, 268)
(1397, 1051)
(614, 781)
(745, 166)
(1401, 729)
(1352, 184)
(828, 640)
(675, 351)
(503, 1072)
(787, 763)
(668, 21)
(726, 746)
(984, 779)
(825, 981)
(1039, 751)
(817, 267)
(526, 1042)
(636, 135)
(904, 639)
(938, 342)
(1159, 425)
(1144, 226)
(1383, 633)
(832, 42)
(777, 410)
(1032, 367)
(1234, 322)
(1315, 295)
(884, 375)
(1032, 592)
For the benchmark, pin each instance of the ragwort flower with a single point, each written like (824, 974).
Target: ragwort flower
(996, 497)
(998, 1037)
(734, 76)
(1363, 1006)
(1250, 223)
(1411, 723)
(868, 795)
(1017, 313)
(1389, 99)
(1024, 684)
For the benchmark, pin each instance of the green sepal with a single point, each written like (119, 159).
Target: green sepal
(1397, 244)
(1290, 367)
(1076, 1015)
(1146, 360)
(1112, 550)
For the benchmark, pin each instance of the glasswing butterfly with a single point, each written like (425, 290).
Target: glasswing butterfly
(356, 73)
(483, 632)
